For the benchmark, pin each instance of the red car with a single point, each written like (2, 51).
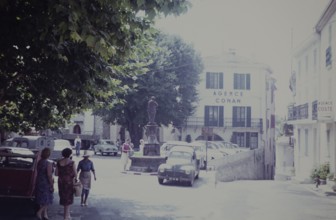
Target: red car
(18, 169)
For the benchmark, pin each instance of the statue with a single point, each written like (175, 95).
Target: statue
(151, 110)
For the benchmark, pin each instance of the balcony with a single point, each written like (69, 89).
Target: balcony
(228, 123)
(299, 112)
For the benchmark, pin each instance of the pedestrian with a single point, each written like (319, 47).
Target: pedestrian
(126, 148)
(118, 144)
(44, 185)
(85, 167)
(66, 172)
(317, 181)
(78, 144)
(141, 146)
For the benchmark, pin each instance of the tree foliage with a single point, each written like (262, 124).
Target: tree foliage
(58, 57)
(171, 75)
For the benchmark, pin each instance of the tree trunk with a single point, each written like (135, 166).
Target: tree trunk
(136, 132)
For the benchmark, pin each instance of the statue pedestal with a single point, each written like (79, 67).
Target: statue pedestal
(151, 150)
(146, 164)
(151, 159)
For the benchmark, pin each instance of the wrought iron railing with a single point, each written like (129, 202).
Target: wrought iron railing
(298, 112)
(228, 123)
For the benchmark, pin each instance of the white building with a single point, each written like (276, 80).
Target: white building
(313, 109)
(236, 104)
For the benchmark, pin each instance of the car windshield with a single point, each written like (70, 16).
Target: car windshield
(16, 162)
(61, 144)
(179, 155)
(107, 142)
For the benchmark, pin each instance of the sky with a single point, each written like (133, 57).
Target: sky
(263, 30)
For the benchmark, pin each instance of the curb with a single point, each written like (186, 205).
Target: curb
(322, 192)
(139, 173)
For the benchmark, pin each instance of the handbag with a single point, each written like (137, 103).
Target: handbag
(77, 188)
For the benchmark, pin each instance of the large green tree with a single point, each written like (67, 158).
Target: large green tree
(58, 57)
(172, 74)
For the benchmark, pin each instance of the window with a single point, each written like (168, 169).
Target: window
(242, 81)
(241, 116)
(240, 139)
(245, 139)
(328, 50)
(214, 80)
(253, 140)
(214, 116)
(328, 57)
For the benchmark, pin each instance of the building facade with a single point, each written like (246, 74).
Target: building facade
(312, 112)
(236, 104)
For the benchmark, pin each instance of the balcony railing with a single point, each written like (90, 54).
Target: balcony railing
(298, 112)
(228, 123)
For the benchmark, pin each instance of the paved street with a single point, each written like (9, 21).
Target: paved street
(117, 195)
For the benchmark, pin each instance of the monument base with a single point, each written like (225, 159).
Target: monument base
(146, 163)
(151, 150)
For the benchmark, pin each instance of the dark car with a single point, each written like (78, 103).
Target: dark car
(181, 165)
(18, 172)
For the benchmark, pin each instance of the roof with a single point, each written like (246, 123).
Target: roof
(327, 14)
(182, 148)
(231, 58)
(16, 151)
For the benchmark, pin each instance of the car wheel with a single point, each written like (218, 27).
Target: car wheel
(196, 177)
(191, 182)
(160, 180)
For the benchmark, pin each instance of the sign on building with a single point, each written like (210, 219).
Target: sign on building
(324, 110)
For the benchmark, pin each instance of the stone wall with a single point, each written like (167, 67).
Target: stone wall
(247, 165)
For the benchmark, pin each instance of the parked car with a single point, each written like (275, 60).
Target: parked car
(31, 142)
(181, 165)
(231, 148)
(212, 151)
(18, 168)
(165, 147)
(105, 146)
(200, 150)
(60, 144)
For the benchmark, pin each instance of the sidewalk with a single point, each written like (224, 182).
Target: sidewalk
(323, 190)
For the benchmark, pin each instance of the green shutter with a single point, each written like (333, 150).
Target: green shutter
(221, 80)
(248, 82)
(248, 116)
(206, 115)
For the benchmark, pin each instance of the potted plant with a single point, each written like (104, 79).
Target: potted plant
(321, 172)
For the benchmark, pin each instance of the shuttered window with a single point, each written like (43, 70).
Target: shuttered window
(214, 116)
(214, 80)
(242, 81)
(241, 116)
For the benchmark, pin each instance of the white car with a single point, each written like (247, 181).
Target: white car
(106, 146)
(211, 151)
(60, 144)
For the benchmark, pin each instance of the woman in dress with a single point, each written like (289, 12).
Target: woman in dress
(44, 188)
(66, 172)
(85, 167)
